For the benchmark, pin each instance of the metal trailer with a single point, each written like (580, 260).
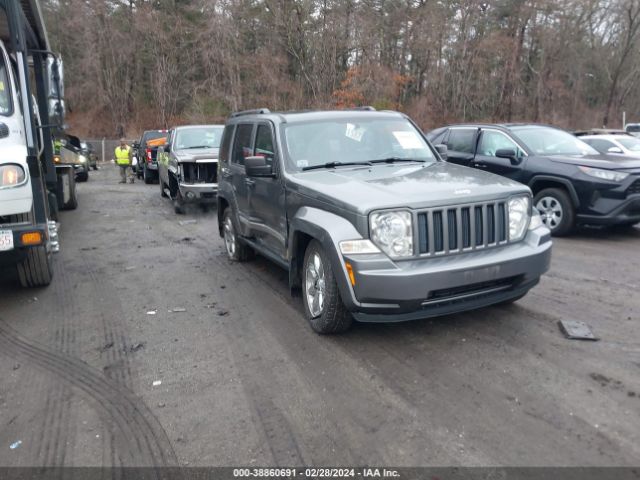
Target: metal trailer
(32, 187)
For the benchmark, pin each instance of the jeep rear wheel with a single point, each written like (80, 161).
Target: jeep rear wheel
(236, 251)
(323, 305)
(556, 210)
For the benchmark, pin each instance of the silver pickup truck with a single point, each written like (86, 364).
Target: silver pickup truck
(188, 165)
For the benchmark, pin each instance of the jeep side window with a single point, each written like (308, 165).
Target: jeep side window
(242, 143)
(462, 140)
(264, 143)
(492, 141)
(225, 145)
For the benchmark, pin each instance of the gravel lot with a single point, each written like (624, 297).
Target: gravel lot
(244, 380)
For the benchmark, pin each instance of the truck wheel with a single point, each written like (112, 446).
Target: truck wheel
(236, 251)
(72, 203)
(35, 270)
(556, 210)
(146, 174)
(162, 192)
(178, 203)
(323, 305)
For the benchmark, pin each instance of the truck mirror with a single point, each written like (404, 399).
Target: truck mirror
(55, 77)
(509, 153)
(257, 167)
(442, 150)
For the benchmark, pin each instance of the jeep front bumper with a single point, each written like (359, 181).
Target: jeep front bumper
(390, 291)
(198, 192)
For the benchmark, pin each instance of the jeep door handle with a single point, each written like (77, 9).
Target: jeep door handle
(250, 183)
(480, 165)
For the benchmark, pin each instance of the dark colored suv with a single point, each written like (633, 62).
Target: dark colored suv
(572, 183)
(147, 167)
(369, 221)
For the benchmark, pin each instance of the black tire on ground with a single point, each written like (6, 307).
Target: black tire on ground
(35, 270)
(568, 221)
(82, 177)
(162, 192)
(146, 174)
(334, 316)
(95, 167)
(236, 250)
(72, 204)
(178, 203)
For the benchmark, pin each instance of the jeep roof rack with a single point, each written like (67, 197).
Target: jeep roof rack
(256, 111)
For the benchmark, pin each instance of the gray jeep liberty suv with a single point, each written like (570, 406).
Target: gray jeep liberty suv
(369, 221)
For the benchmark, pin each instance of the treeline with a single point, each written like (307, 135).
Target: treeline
(135, 64)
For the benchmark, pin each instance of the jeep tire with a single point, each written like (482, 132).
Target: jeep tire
(236, 250)
(557, 210)
(323, 305)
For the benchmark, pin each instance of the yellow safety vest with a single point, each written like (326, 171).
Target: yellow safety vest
(122, 155)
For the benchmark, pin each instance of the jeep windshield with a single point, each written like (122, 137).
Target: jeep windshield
(551, 141)
(352, 142)
(198, 137)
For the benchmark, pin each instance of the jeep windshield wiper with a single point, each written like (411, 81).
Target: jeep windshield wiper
(396, 159)
(334, 164)
(198, 146)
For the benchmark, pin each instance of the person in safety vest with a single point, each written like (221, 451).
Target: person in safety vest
(123, 159)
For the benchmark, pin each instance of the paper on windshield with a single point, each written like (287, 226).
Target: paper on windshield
(354, 132)
(408, 140)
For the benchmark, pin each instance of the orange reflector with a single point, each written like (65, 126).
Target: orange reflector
(31, 238)
(352, 277)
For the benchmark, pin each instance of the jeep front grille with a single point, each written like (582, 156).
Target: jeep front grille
(446, 230)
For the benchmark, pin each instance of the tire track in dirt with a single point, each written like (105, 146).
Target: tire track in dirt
(141, 439)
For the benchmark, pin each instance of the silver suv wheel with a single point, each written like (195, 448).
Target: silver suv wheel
(315, 288)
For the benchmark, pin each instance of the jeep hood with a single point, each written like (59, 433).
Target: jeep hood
(599, 161)
(197, 154)
(403, 185)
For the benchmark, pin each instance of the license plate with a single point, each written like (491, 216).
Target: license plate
(6, 240)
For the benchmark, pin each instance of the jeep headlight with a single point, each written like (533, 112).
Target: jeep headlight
(392, 232)
(82, 159)
(11, 175)
(611, 175)
(519, 212)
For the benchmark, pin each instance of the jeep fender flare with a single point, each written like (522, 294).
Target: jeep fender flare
(329, 229)
(566, 183)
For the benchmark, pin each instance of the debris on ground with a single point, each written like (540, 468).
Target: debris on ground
(187, 239)
(210, 305)
(223, 313)
(576, 330)
(177, 310)
(16, 366)
(135, 347)
(188, 222)
(129, 268)
(106, 347)
(157, 382)
(161, 405)
(152, 312)
(15, 445)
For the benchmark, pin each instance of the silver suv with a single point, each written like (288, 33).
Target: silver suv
(369, 221)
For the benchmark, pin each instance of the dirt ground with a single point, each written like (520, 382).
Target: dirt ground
(89, 377)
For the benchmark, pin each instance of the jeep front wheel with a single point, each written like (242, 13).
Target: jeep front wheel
(236, 251)
(323, 305)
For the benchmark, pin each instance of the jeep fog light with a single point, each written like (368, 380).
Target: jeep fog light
(392, 232)
(519, 208)
(354, 247)
(11, 175)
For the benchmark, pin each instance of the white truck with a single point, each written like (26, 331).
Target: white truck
(32, 187)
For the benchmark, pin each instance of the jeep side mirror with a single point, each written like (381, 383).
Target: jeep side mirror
(509, 153)
(257, 167)
(614, 150)
(442, 150)
(167, 147)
